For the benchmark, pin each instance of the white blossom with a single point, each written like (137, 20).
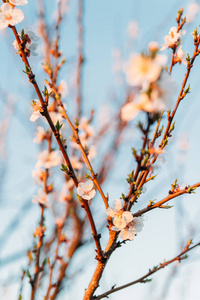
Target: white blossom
(40, 135)
(129, 111)
(141, 70)
(84, 124)
(76, 164)
(180, 56)
(120, 217)
(48, 160)
(172, 38)
(156, 101)
(133, 29)
(10, 16)
(86, 190)
(40, 198)
(29, 37)
(63, 88)
(131, 229)
(37, 109)
(191, 11)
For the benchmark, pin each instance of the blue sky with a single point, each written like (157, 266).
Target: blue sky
(105, 24)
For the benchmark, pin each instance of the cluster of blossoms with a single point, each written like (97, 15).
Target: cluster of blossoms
(153, 82)
(124, 222)
(147, 74)
(86, 136)
(9, 14)
(86, 190)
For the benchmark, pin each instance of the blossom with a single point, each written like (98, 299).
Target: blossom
(40, 135)
(153, 46)
(180, 56)
(40, 198)
(172, 39)
(141, 70)
(155, 101)
(121, 217)
(133, 29)
(18, 2)
(131, 229)
(86, 190)
(66, 190)
(63, 88)
(76, 164)
(27, 37)
(84, 124)
(191, 11)
(129, 111)
(37, 109)
(56, 116)
(48, 160)
(38, 174)
(10, 15)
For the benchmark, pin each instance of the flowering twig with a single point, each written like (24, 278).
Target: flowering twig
(186, 190)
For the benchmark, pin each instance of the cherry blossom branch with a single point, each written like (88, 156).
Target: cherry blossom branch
(172, 195)
(144, 279)
(142, 179)
(44, 104)
(38, 269)
(182, 94)
(77, 140)
(56, 133)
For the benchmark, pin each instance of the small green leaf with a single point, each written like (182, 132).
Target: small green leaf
(191, 190)
(44, 261)
(64, 168)
(187, 91)
(58, 125)
(28, 274)
(174, 185)
(165, 142)
(88, 176)
(172, 127)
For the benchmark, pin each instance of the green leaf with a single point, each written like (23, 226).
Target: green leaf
(172, 127)
(165, 142)
(64, 168)
(44, 261)
(58, 125)
(174, 184)
(187, 91)
(191, 190)
(88, 176)
(28, 274)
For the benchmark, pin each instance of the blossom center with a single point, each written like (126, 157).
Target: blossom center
(8, 16)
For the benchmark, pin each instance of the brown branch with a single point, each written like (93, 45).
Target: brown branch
(175, 194)
(143, 279)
